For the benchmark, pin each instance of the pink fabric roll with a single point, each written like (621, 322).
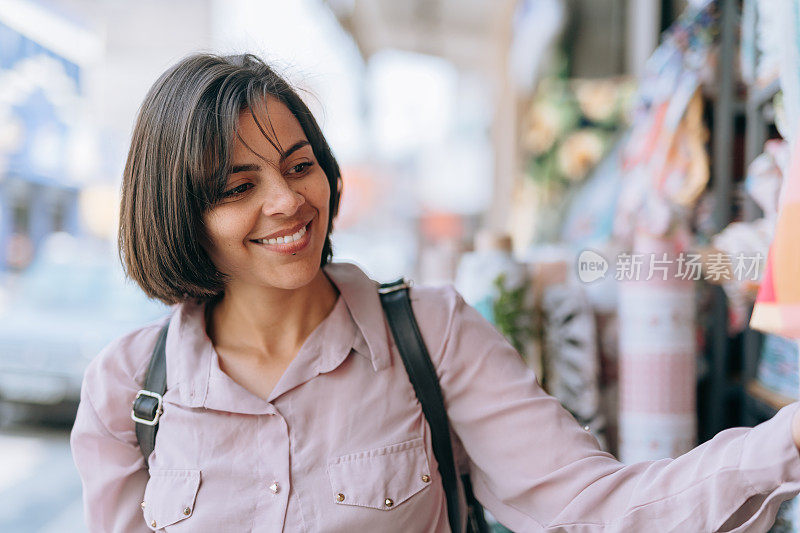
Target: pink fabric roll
(658, 358)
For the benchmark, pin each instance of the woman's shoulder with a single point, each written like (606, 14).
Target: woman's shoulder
(438, 310)
(116, 374)
(435, 300)
(127, 355)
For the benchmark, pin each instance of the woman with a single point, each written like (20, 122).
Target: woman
(287, 407)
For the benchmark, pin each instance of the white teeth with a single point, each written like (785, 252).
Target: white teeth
(285, 240)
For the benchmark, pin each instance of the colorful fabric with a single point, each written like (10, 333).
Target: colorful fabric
(777, 308)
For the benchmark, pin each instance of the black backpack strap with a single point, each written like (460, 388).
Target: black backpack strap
(397, 306)
(148, 405)
(476, 520)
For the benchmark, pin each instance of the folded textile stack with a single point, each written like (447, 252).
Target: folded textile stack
(777, 309)
(746, 244)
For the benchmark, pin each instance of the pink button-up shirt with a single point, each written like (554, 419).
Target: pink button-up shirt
(341, 443)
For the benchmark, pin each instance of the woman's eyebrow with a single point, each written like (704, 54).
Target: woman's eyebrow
(255, 168)
(293, 148)
(245, 168)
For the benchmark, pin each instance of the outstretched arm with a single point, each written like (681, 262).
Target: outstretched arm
(536, 469)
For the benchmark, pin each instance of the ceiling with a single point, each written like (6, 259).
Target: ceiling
(473, 34)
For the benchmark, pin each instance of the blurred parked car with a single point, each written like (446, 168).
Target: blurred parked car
(57, 315)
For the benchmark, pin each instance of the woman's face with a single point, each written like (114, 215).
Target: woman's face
(270, 226)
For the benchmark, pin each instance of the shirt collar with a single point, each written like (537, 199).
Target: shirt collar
(196, 362)
(360, 294)
(189, 370)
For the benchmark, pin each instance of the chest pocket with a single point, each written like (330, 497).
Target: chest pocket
(382, 478)
(169, 497)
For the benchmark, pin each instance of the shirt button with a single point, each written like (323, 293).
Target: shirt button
(275, 487)
(388, 502)
(187, 511)
(153, 523)
(143, 504)
(586, 428)
(340, 497)
(426, 478)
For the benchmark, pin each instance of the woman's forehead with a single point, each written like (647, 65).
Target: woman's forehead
(268, 123)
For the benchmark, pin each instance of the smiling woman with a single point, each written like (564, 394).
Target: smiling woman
(270, 223)
(210, 130)
(283, 402)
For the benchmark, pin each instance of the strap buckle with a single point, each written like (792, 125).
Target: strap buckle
(395, 286)
(159, 408)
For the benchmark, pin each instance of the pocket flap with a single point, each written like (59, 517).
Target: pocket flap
(169, 496)
(381, 478)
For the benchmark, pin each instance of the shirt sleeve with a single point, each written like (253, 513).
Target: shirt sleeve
(104, 445)
(535, 468)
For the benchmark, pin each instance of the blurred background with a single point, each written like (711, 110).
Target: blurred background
(511, 147)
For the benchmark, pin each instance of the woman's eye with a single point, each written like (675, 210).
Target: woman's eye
(300, 168)
(239, 189)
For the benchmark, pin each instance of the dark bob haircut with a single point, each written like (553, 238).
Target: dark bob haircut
(178, 164)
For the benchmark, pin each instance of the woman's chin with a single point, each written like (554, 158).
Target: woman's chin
(293, 276)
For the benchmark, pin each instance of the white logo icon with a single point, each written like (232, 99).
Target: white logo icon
(591, 266)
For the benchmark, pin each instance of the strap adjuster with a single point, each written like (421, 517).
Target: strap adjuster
(159, 407)
(395, 286)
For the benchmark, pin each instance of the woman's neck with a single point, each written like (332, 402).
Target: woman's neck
(267, 322)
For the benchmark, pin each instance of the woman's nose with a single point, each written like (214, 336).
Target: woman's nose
(281, 199)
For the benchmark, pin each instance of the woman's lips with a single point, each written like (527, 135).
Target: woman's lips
(286, 232)
(289, 248)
